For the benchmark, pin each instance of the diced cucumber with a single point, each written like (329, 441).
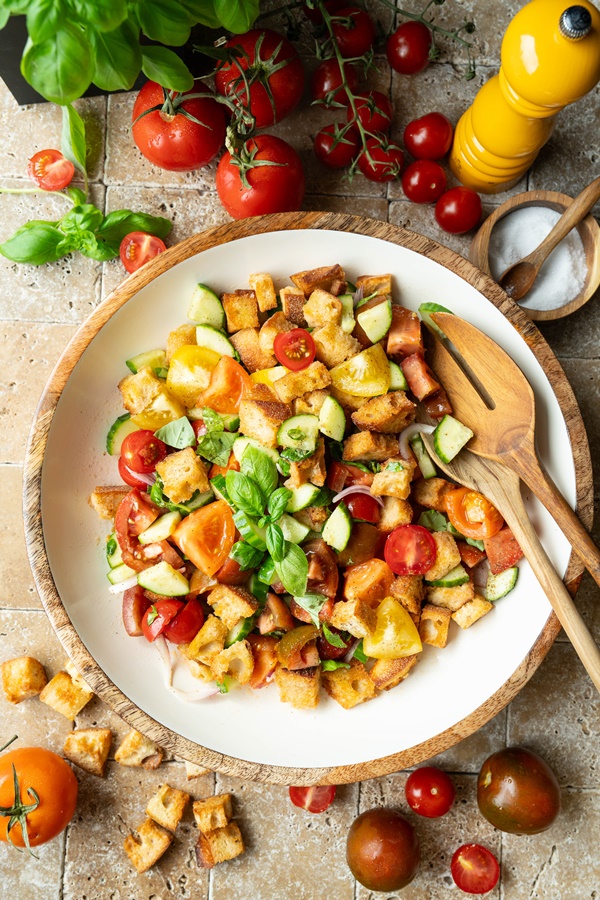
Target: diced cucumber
(197, 500)
(117, 433)
(113, 552)
(332, 419)
(425, 310)
(120, 573)
(397, 380)
(161, 529)
(205, 308)
(455, 577)
(299, 432)
(293, 530)
(348, 321)
(450, 437)
(258, 588)
(207, 336)
(302, 497)
(219, 487)
(267, 573)
(426, 466)
(338, 528)
(240, 631)
(231, 422)
(250, 531)
(164, 579)
(376, 320)
(239, 447)
(153, 359)
(500, 585)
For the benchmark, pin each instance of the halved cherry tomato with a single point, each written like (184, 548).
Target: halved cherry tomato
(135, 513)
(421, 379)
(294, 349)
(472, 514)
(227, 384)
(429, 792)
(330, 651)
(230, 573)
(158, 615)
(474, 869)
(410, 550)
(206, 536)
(315, 799)
(186, 624)
(135, 604)
(503, 550)
(364, 508)
(264, 651)
(133, 479)
(141, 450)
(232, 466)
(138, 248)
(50, 170)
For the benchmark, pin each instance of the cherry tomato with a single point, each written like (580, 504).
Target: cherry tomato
(50, 170)
(130, 477)
(386, 160)
(323, 572)
(383, 850)
(186, 624)
(374, 111)
(518, 792)
(326, 81)
(135, 513)
(363, 507)
(410, 550)
(353, 31)
(273, 70)
(276, 615)
(472, 514)
(206, 536)
(429, 137)
(315, 799)
(158, 615)
(458, 210)
(141, 450)
(429, 792)
(408, 48)
(264, 652)
(341, 475)
(52, 779)
(228, 382)
(272, 188)
(294, 349)
(138, 248)
(424, 181)
(336, 146)
(169, 137)
(330, 651)
(474, 869)
(315, 15)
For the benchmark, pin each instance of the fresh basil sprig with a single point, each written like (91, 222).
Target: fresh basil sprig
(259, 466)
(278, 502)
(331, 638)
(245, 493)
(292, 570)
(245, 556)
(178, 434)
(275, 542)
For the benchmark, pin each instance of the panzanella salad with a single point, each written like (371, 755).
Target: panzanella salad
(281, 519)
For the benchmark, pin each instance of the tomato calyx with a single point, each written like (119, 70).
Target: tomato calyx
(243, 156)
(172, 106)
(18, 812)
(257, 71)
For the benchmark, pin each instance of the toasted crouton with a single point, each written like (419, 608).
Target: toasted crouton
(247, 344)
(300, 688)
(214, 812)
(375, 284)
(260, 419)
(451, 598)
(433, 626)
(292, 303)
(276, 324)
(348, 402)
(471, 611)
(183, 473)
(314, 517)
(194, 771)
(219, 845)
(146, 845)
(65, 696)
(78, 680)
(197, 669)
(181, 337)
(22, 678)
(447, 556)
(167, 806)
(354, 616)
(369, 581)
(106, 500)
(388, 414)
(138, 750)
(395, 479)
(410, 591)
(236, 661)
(369, 445)
(262, 285)
(241, 309)
(316, 469)
(387, 673)
(323, 278)
(322, 308)
(431, 492)
(310, 403)
(232, 603)
(88, 748)
(393, 513)
(209, 641)
(296, 384)
(140, 390)
(349, 686)
(334, 346)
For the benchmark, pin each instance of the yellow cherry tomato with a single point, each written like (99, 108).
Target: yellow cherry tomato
(189, 372)
(268, 376)
(162, 409)
(365, 375)
(395, 634)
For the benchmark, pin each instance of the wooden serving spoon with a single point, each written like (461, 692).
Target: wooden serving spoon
(518, 279)
(492, 397)
(502, 487)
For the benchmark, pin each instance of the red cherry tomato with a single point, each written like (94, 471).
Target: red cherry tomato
(336, 147)
(186, 624)
(294, 349)
(374, 111)
(331, 6)
(386, 160)
(458, 210)
(424, 181)
(429, 137)
(314, 799)
(130, 477)
(50, 170)
(429, 792)
(474, 869)
(330, 651)
(157, 617)
(408, 48)
(138, 248)
(141, 450)
(353, 31)
(327, 79)
(135, 513)
(363, 507)
(410, 550)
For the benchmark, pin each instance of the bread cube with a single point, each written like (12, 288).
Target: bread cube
(22, 678)
(198, 669)
(300, 688)
(231, 604)
(395, 479)
(236, 661)
(65, 696)
(431, 492)
(434, 624)
(146, 845)
(138, 750)
(348, 402)
(349, 687)
(88, 748)
(167, 806)
(334, 346)
(261, 419)
(369, 581)
(247, 344)
(241, 310)
(140, 390)
(276, 324)
(208, 642)
(354, 616)
(387, 673)
(180, 337)
(447, 557)
(451, 598)
(314, 517)
(410, 591)
(394, 512)
(323, 278)
(296, 384)
(375, 284)
(214, 812)
(263, 287)
(106, 500)
(219, 845)
(78, 679)
(388, 414)
(311, 469)
(183, 473)
(471, 611)
(322, 308)
(292, 303)
(194, 771)
(369, 445)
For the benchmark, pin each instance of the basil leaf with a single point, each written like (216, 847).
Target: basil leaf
(237, 15)
(260, 467)
(336, 448)
(61, 67)
(4, 17)
(165, 21)
(216, 447)
(283, 466)
(122, 222)
(152, 615)
(163, 66)
(266, 573)
(433, 520)
(330, 665)
(245, 493)
(86, 217)
(296, 455)
(292, 571)
(117, 59)
(359, 653)
(245, 556)
(323, 498)
(76, 195)
(73, 143)
(275, 542)
(105, 15)
(44, 18)
(212, 420)
(178, 434)
(95, 249)
(35, 243)
(313, 604)
(331, 638)
(202, 11)
(111, 546)
(278, 502)
(159, 498)
(479, 544)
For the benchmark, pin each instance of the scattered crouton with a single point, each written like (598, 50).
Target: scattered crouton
(198, 669)
(310, 403)
(260, 419)
(22, 678)
(209, 641)
(262, 285)
(388, 414)
(395, 478)
(247, 344)
(471, 611)
(241, 309)
(349, 686)
(354, 616)
(236, 661)
(369, 581)
(333, 346)
(65, 696)
(219, 845)
(276, 324)
(375, 284)
(194, 771)
(370, 446)
(183, 473)
(214, 812)
(323, 278)
(431, 492)
(106, 500)
(447, 556)
(88, 748)
(322, 308)
(387, 673)
(292, 303)
(410, 591)
(296, 384)
(300, 688)
(138, 750)
(393, 513)
(146, 845)
(451, 598)
(433, 627)
(167, 806)
(181, 337)
(232, 603)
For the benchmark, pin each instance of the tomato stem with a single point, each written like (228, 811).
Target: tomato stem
(18, 812)
(12, 740)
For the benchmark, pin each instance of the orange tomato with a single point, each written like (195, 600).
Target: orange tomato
(206, 536)
(232, 466)
(472, 514)
(227, 384)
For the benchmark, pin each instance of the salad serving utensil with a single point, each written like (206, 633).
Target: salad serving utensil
(492, 397)
(502, 487)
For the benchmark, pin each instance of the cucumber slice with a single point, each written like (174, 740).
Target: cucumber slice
(161, 529)
(267, 573)
(153, 359)
(207, 336)
(425, 310)
(338, 528)
(231, 422)
(376, 321)
(239, 448)
(250, 531)
(293, 530)
(348, 321)
(120, 573)
(114, 557)
(397, 380)
(219, 487)
(240, 631)
(453, 578)
(450, 437)
(500, 585)
(205, 308)
(258, 588)
(302, 497)
(426, 466)
(332, 419)
(299, 432)
(117, 433)
(164, 579)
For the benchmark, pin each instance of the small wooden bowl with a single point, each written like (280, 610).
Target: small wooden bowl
(588, 231)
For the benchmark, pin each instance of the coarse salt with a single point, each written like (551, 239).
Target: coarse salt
(563, 274)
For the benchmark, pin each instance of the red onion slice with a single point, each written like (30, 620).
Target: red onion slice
(356, 489)
(141, 476)
(187, 696)
(410, 432)
(350, 653)
(123, 585)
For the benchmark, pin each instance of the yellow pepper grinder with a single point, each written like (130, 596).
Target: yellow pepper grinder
(550, 57)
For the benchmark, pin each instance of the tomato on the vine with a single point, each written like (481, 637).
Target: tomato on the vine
(353, 31)
(50, 170)
(424, 181)
(458, 210)
(315, 15)
(410, 550)
(336, 145)
(383, 850)
(374, 111)
(408, 48)
(138, 248)
(327, 80)
(385, 163)
(474, 869)
(429, 792)
(294, 349)
(141, 450)
(429, 137)
(315, 799)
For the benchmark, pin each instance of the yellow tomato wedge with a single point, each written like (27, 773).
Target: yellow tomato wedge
(268, 376)
(395, 634)
(365, 375)
(162, 409)
(189, 374)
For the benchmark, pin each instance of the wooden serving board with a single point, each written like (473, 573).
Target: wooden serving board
(57, 613)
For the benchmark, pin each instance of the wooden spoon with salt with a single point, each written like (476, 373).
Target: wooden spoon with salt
(518, 279)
